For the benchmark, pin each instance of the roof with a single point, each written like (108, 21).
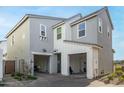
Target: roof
(3, 41)
(63, 21)
(83, 43)
(26, 16)
(93, 15)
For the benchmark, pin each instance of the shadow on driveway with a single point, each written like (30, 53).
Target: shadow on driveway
(50, 80)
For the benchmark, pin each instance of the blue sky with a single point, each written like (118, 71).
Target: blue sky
(9, 16)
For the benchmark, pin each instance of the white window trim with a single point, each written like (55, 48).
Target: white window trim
(108, 31)
(99, 19)
(12, 40)
(57, 34)
(78, 30)
(45, 31)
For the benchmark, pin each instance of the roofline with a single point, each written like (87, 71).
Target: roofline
(26, 16)
(2, 40)
(58, 24)
(83, 43)
(93, 15)
(63, 21)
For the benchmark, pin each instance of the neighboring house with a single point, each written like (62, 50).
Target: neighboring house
(63, 45)
(3, 46)
(1, 64)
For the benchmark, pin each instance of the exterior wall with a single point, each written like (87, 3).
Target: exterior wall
(68, 29)
(91, 32)
(67, 48)
(37, 45)
(3, 46)
(20, 49)
(58, 44)
(105, 54)
(72, 48)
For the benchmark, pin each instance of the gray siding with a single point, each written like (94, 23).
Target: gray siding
(68, 28)
(91, 32)
(36, 45)
(105, 54)
(20, 49)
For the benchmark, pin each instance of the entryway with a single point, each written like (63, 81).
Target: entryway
(41, 63)
(78, 63)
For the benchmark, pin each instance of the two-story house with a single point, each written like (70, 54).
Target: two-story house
(63, 45)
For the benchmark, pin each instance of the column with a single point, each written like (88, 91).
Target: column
(90, 64)
(53, 64)
(65, 64)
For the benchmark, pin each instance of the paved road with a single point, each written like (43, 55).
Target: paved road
(47, 80)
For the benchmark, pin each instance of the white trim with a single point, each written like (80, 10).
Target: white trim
(57, 34)
(45, 31)
(108, 31)
(78, 30)
(100, 23)
(41, 53)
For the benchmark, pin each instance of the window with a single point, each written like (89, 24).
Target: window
(81, 30)
(100, 25)
(108, 32)
(12, 40)
(59, 34)
(42, 32)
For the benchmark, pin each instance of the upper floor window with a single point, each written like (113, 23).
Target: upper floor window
(108, 32)
(100, 25)
(81, 29)
(42, 32)
(12, 40)
(59, 33)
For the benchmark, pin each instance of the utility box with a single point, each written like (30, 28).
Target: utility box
(1, 64)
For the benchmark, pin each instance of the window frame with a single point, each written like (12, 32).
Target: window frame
(59, 33)
(41, 36)
(108, 31)
(79, 31)
(100, 24)
(12, 40)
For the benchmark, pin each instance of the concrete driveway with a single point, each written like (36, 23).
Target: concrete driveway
(47, 80)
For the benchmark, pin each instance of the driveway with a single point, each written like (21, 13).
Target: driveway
(47, 80)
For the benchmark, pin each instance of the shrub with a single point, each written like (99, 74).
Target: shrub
(118, 68)
(123, 68)
(19, 74)
(119, 72)
(31, 77)
(18, 78)
(121, 78)
(114, 75)
(110, 77)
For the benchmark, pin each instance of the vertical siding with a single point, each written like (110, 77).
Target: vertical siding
(91, 32)
(36, 45)
(20, 49)
(105, 54)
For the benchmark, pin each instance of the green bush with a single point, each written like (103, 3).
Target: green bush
(19, 74)
(121, 78)
(31, 77)
(18, 78)
(119, 72)
(110, 77)
(114, 75)
(118, 68)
